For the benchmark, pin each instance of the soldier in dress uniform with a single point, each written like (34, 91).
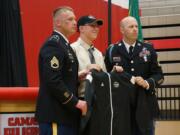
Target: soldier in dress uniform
(140, 60)
(58, 108)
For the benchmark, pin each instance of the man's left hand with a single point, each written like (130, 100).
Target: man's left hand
(117, 68)
(141, 82)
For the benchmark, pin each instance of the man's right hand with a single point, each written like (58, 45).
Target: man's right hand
(82, 105)
(82, 74)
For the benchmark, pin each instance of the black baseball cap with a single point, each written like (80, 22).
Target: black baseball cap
(88, 19)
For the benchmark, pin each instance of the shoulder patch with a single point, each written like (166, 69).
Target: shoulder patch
(54, 63)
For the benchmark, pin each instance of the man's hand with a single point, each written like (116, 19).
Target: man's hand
(82, 105)
(94, 66)
(82, 74)
(141, 82)
(117, 68)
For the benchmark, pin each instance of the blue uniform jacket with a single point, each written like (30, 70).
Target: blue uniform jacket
(58, 72)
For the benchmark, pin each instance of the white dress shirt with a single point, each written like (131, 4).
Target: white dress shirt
(81, 50)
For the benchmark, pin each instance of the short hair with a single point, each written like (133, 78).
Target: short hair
(124, 20)
(61, 9)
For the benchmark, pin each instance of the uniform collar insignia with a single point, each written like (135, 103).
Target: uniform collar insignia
(139, 44)
(67, 43)
(54, 62)
(119, 44)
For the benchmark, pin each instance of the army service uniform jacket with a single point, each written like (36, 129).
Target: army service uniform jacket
(58, 71)
(110, 97)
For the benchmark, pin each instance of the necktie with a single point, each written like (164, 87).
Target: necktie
(91, 56)
(131, 51)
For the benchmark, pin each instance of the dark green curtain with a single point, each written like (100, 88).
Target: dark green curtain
(12, 57)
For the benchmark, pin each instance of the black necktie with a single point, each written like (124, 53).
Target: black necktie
(131, 51)
(91, 56)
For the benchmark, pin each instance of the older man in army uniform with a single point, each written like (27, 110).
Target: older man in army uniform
(58, 107)
(140, 60)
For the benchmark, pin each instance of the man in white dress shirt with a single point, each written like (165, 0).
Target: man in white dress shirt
(88, 27)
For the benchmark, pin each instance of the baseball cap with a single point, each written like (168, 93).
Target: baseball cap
(88, 19)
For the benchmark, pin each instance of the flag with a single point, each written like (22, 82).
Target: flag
(119, 10)
(134, 11)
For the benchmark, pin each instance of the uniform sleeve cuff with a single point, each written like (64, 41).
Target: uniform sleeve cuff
(71, 102)
(151, 83)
